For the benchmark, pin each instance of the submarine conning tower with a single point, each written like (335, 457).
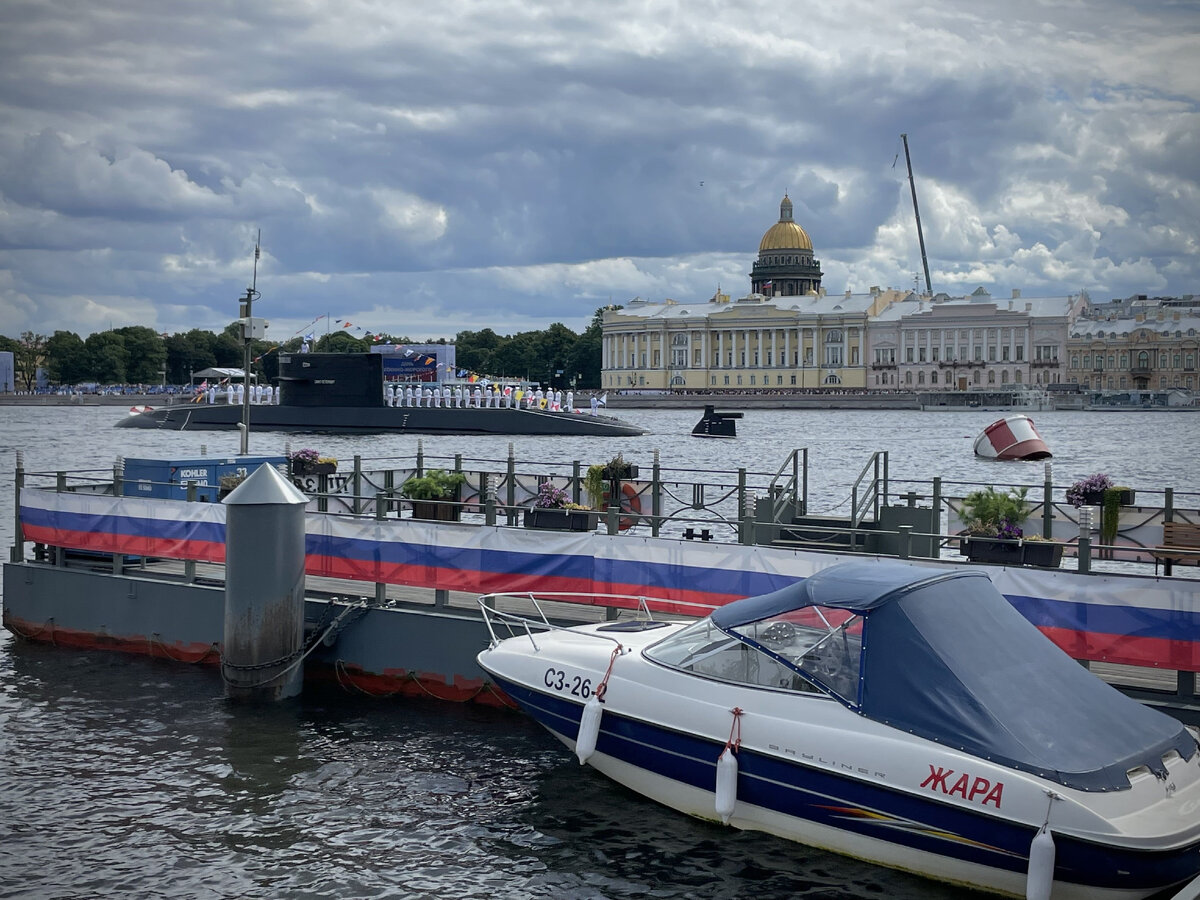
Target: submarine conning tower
(331, 379)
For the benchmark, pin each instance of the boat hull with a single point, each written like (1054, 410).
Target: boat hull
(368, 420)
(823, 776)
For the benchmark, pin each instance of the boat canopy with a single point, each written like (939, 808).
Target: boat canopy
(946, 657)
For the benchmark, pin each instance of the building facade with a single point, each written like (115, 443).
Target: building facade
(970, 343)
(1138, 345)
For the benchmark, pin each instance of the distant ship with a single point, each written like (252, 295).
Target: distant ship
(345, 393)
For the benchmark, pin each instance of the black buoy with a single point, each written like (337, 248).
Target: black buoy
(716, 424)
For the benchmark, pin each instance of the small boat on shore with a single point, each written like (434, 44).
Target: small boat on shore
(1013, 437)
(901, 714)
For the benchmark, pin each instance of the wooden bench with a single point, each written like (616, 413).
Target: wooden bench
(1177, 536)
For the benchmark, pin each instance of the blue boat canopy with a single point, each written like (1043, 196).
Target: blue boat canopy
(946, 657)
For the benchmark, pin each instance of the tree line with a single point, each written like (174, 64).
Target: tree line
(140, 355)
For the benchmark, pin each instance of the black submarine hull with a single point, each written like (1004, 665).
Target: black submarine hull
(368, 420)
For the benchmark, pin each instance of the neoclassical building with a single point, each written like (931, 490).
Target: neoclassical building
(787, 333)
(1149, 346)
(971, 343)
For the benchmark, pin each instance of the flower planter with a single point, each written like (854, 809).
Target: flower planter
(303, 469)
(436, 511)
(993, 550)
(561, 519)
(1047, 554)
(623, 473)
(1125, 497)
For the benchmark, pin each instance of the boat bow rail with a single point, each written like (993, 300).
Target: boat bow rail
(536, 608)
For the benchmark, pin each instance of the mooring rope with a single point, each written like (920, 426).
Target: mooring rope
(736, 725)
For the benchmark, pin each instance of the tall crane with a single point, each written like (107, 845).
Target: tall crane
(916, 210)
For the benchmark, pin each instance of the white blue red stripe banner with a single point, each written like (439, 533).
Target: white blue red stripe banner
(1135, 620)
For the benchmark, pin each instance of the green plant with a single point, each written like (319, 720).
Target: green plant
(435, 484)
(992, 513)
(1111, 515)
(594, 485)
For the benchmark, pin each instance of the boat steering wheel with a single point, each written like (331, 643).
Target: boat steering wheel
(779, 634)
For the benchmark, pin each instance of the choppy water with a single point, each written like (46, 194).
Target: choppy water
(127, 777)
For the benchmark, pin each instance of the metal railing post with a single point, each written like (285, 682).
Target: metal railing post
(656, 496)
(905, 549)
(420, 457)
(380, 515)
(1085, 539)
(1048, 503)
(357, 484)
(17, 551)
(118, 489)
(189, 565)
(489, 499)
(510, 494)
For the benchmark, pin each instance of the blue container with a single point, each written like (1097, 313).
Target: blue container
(163, 479)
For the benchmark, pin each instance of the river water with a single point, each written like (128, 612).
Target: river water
(127, 777)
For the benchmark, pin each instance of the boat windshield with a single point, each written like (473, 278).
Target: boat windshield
(802, 651)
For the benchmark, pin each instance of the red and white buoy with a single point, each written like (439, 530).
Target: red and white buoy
(1011, 438)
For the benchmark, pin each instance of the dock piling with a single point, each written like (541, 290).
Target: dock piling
(264, 588)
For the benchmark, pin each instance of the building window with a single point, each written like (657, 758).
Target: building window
(712, 379)
(739, 380)
(1020, 352)
(1074, 360)
(991, 377)
(908, 354)
(908, 377)
(727, 380)
(1143, 359)
(933, 377)
(779, 379)
(920, 377)
(920, 354)
(752, 377)
(793, 379)
(832, 379)
(1004, 353)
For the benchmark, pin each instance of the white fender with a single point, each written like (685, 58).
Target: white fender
(727, 773)
(589, 729)
(1040, 877)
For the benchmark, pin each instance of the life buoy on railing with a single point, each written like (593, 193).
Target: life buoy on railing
(631, 502)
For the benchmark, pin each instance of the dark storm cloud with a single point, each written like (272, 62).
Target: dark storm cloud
(509, 164)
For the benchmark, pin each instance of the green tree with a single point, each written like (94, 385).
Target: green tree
(108, 359)
(27, 359)
(147, 354)
(67, 358)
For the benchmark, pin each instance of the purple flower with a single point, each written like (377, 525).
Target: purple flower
(550, 497)
(1077, 494)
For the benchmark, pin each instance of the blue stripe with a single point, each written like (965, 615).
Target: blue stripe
(171, 529)
(1175, 625)
(806, 791)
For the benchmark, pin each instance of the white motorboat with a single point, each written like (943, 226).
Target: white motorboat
(905, 715)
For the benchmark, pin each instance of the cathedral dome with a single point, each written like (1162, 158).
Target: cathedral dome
(785, 234)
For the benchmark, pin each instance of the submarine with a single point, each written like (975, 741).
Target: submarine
(344, 393)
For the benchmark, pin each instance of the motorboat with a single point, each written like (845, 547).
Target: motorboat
(1013, 437)
(902, 714)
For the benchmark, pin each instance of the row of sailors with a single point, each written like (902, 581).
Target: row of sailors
(236, 394)
(481, 398)
(491, 398)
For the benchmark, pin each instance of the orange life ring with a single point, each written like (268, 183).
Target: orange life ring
(631, 502)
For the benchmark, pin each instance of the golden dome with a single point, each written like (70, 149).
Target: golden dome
(785, 234)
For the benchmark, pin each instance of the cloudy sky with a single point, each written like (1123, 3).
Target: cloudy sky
(423, 168)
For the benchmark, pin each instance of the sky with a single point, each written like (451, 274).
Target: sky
(425, 168)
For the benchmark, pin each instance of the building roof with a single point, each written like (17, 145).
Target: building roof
(1187, 325)
(785, 234)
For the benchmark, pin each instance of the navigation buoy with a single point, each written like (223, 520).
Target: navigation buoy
(589, 729)
(727, 773)
(1040, 877)
(1011, 438)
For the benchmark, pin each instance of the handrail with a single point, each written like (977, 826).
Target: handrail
(790, 496)
(870, 496)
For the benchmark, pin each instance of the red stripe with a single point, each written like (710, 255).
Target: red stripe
(135, 545)
(1158, 653)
